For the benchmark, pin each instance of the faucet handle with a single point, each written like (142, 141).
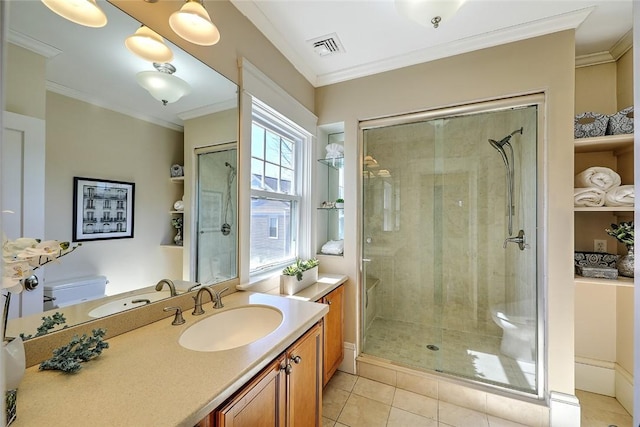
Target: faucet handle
(218, 301)
(178, 319)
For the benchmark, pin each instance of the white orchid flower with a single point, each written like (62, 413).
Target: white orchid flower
(14, 271)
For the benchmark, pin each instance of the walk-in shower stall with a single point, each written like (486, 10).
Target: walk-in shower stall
(449, 228)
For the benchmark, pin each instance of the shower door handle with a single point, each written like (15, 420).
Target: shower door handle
(519, 239)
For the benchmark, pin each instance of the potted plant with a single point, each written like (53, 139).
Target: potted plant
(298, 276)
(339, 203)
(624, 233)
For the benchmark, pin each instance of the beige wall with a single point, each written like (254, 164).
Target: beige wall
(239, 38)
(625, 80)
(596, 89)
(25, 82)
(506, 70)
(88, 141)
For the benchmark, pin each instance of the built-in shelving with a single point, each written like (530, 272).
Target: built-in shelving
(620, 281)
(605, 209)
(172, 246)
(336, 163)
(330, 209)
(177, 179)
(616, 143)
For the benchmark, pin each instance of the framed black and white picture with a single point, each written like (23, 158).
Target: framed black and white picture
(102, 209)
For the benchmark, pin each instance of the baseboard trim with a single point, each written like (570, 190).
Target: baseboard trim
(348, 364)
(595, 376)
(564, 410)
(624, 388)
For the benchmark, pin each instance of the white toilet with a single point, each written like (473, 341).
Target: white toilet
(519, 332)
(63, 293)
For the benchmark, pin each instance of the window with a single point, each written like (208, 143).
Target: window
(278, 152)
(273, 227)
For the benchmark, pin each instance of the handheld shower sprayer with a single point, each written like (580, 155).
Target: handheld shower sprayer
(508, 163)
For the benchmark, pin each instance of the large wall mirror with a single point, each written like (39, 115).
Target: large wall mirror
(78, 86)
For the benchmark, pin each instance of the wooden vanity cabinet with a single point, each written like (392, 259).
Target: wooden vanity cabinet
(286, 393)
(333, 333)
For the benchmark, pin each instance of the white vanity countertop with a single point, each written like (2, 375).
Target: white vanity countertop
(325, 284)
(146, 378)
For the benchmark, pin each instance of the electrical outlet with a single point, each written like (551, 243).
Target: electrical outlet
(599, 245)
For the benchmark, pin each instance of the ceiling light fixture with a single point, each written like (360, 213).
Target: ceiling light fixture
(83, 12)
(162, 84)
(149, 45)
(192, 23)
(428, 12)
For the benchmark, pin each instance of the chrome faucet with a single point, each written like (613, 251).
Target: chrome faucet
(169, 283)
(197, 308)
(217, 302)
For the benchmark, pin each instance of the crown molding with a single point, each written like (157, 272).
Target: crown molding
(617, 50)
(515, 33)
(32, 44)
(208, 109)
(81, 96)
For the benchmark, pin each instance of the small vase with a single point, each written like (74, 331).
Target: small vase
(178, 238)
(625, 263)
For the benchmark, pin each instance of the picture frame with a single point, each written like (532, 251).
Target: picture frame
(102, 209)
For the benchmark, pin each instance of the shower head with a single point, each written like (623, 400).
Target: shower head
(504, 141)
(229, 165)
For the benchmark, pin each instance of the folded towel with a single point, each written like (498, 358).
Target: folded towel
(588, 197)
(599, 177)
(623, 195)
(333, 247)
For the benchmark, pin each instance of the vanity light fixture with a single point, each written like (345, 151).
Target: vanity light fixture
(83, 12)
(428, 12)
(193, 23)
(162, 84)
(149, 45)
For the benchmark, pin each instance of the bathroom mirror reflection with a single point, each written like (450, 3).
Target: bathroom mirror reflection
(76, 86)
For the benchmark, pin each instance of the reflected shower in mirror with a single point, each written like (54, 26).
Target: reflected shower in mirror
(217, 202)
(76, 86)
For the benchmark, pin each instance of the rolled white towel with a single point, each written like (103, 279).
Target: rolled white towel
(588, 197)
(599, 177)
(623, 195)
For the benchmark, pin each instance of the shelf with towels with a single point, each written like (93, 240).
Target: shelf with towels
(620, 281)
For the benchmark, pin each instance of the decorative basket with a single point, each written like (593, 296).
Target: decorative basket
(621, 122)
(595, 259)
(589, 125)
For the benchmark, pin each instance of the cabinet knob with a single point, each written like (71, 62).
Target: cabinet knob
(296, 359)
(328, 302)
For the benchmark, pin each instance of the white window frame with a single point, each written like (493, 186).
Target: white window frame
(301, 213)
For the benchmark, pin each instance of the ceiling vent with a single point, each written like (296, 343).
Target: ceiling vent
(327, 45)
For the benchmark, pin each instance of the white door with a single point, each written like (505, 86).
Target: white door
(23, 177)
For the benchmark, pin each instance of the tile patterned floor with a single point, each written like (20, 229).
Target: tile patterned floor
(602, 411)
(352, 401)
(466, 354)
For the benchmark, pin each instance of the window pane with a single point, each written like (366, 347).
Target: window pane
(257, 141)
(266, 250)
(287, 153)
(286, 183)
(256, 173)
(272, 177)
(273, 148)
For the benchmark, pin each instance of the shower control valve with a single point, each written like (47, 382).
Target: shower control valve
(519, 239)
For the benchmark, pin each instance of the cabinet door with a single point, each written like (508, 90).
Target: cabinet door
(261, 403)
(333, 336)
(304, 379)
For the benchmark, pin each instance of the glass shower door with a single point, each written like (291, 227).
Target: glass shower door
(445, 281)
(217, 231)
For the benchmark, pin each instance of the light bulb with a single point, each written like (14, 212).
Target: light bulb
(83, 12)
(149, 45)
(192, 23)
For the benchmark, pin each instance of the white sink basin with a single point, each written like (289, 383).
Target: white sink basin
(122, 304)
(232, 328)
